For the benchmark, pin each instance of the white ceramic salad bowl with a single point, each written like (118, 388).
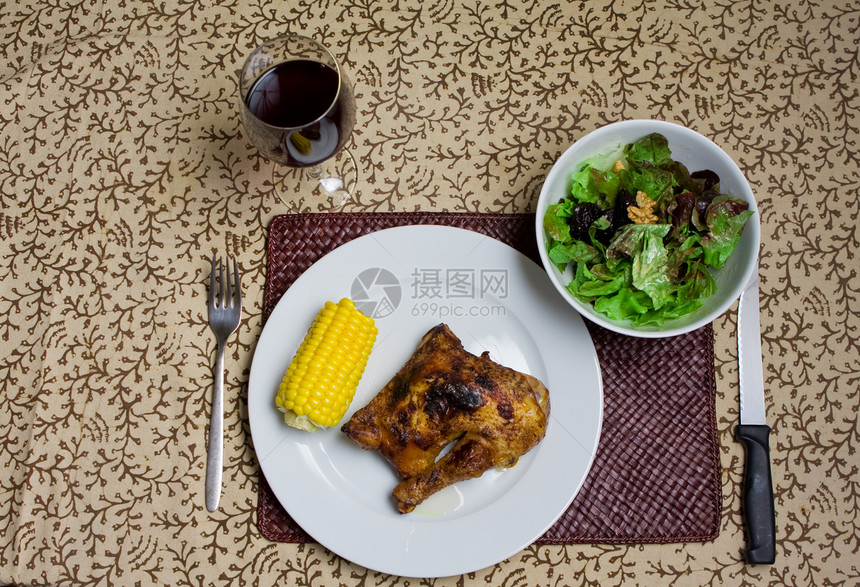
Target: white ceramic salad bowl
(696, 152)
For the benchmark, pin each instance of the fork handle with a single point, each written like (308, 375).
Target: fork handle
(215, 456)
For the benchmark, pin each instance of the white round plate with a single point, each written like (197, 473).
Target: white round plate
(494, 298)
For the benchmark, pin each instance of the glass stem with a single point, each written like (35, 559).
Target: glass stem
(314, 172)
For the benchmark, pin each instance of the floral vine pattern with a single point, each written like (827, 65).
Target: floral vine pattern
(123, 165)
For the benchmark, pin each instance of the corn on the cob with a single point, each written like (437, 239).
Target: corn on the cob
(322, 378)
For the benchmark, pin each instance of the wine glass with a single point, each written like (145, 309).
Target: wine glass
(298, 109)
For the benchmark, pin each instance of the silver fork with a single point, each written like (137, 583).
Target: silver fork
(225, 313)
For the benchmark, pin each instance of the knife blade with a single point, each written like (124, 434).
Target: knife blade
(753, 431)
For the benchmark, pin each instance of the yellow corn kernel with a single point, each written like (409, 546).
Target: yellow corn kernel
(321, 380)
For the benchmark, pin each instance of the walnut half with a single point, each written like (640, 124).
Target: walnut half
(643, 212)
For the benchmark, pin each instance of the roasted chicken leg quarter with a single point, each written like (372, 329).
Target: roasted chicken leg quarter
(492, 414)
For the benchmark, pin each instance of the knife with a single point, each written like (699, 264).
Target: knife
(753, 431)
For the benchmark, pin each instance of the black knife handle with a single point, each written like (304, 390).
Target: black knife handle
(758, 509)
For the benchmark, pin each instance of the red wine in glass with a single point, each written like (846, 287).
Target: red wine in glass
(293, 93)
(298, 107)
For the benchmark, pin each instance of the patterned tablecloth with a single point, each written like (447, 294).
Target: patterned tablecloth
(124, 167)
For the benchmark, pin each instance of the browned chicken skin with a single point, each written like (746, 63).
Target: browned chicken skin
(445, 394)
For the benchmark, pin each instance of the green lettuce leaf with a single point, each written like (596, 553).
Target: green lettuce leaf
(696, 285)
(607, 183)
(595, 182)
(555, 221)
(576, 251)
(583, 187)
(645, 177)
(629, 239)
(651, 270)
(588, 285)
(653, 148)
(627, 304)
(725, 220)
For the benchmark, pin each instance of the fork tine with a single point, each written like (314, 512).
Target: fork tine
(221, 303)
(237, 292)
(228, 287)
(212, 284)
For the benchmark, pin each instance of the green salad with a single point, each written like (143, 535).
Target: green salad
(643, 233)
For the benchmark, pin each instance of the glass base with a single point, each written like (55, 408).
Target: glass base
(328, 186)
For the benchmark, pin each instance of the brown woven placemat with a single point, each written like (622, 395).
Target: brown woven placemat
(655, 477)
